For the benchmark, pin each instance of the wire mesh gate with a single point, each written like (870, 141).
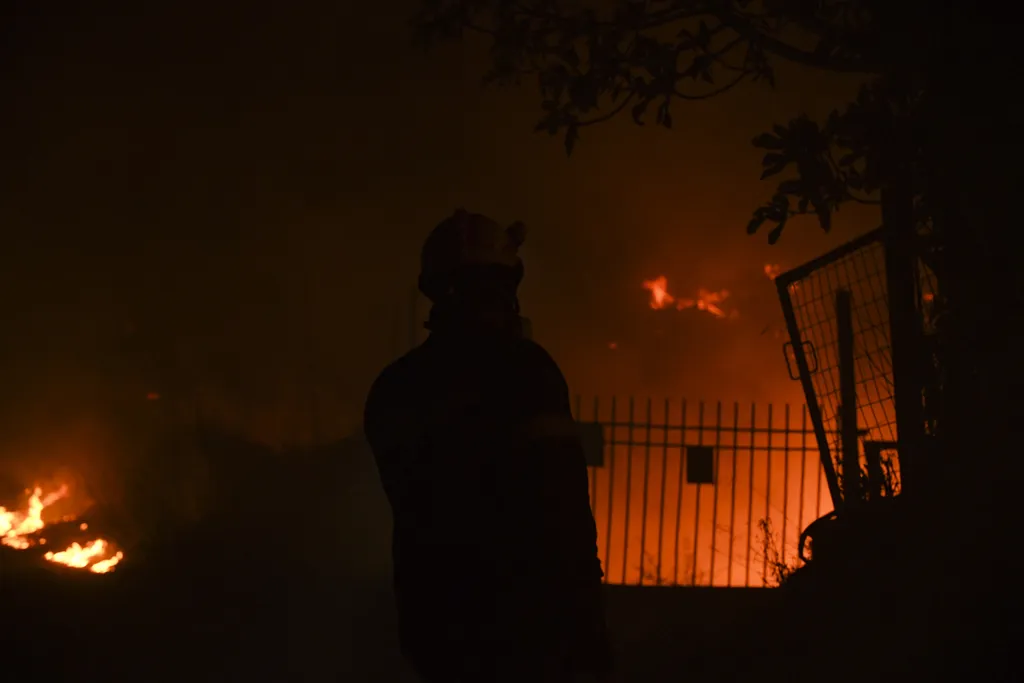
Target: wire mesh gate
(685, 490)
(808, 295)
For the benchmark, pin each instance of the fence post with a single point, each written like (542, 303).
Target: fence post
(664, 477)
(643, 511)
(696, 504)
(679, 496)
(611, 492)
(630, 428)
(905, 328)
(848, 398)
(876, 479)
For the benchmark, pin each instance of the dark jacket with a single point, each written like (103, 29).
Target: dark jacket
(495, 546)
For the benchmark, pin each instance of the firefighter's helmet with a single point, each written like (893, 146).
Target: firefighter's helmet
(466, 239)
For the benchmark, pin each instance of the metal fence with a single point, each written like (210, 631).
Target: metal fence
(686, 490)
(808, 298)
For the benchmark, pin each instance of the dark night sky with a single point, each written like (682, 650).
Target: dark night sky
(251, 186)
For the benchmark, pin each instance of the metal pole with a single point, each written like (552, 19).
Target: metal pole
(848, 398)
(812, 401)
(905, 329)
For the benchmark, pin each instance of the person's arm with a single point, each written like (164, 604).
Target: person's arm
(553, 438)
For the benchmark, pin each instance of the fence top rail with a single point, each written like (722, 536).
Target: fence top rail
(707, 426)
(729, 446)
(587, 401)
(784, 280)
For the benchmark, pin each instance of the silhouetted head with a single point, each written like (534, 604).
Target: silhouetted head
(470, 269)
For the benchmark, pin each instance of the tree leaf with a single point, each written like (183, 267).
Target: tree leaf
(703, 35)
(571, 57)
(849, 159)
(774, 169)
(639, 109)
(791, 186)
(776, 232)
(768, 141)
(755, 223)
(824, 218)
(572, 134)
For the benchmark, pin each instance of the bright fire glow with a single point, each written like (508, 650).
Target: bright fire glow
(706, 299)
(660, 298)
(17, 528)
(772, 270)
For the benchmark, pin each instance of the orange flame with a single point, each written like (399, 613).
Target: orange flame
(18, 527)
(772, 270)
(706, 300)
(660, 298)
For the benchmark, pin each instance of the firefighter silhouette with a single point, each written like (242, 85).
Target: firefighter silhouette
(496, 569)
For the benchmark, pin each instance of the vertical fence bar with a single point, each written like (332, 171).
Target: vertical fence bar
(661, 505)
(732, 495)
(768, 484)
(750, 495)
(714, 489)
(611, 493)
(679, 497)
(629, 489)
(785, 490)
(696, 505)
(847, 398)
(643, 511)
(817, 496)
(803, 468)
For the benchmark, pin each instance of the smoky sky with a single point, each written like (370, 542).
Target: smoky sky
(226, 201)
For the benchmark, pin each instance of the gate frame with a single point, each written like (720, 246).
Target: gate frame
(783, 282)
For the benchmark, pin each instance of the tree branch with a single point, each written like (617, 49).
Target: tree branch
(743, 26)
(611, 114)
(712, 93)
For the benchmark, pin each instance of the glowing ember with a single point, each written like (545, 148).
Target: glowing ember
(18, 527)
(773, 270)
(706, 300)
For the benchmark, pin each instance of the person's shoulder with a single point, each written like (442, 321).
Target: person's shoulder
(395, 374)
(535, 360)
(530, 350)
(388, 399)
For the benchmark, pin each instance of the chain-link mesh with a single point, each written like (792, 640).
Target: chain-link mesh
(812, 294)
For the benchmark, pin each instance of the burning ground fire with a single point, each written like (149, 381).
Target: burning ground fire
(19, 529)
(706, 300)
